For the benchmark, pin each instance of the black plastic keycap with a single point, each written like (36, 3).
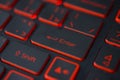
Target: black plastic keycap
(54, 15)
(62, 41)
(24, 58)
(113, 37)
(108, 59)
(62, 69)
(20, 27)
(99, 8)
(83, 23)
(29, 8)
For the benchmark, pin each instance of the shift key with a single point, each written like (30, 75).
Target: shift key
(24, 58)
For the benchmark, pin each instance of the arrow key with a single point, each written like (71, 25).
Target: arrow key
(62, 69)
(108, 59)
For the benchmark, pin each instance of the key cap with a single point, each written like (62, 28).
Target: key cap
(62, 69)
(113, 37)
(118, 17)
(20, 28)
(2, 70)
(108, 59)
(54, 15)
(57, 2)
(4, 19)
(98, 75)
(60, 41)
(25, 58)
(7, 4)
(83, 24)
(29, 8)
(97, 8)
(3, 42)
(14, 75)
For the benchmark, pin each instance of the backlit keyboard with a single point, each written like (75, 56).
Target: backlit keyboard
(59, 39)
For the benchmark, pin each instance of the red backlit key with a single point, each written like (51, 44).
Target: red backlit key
(113, 37)
(62, 69)
(24, 58)
(2, 70)
(83, 23)
(14, 75)
(62, 41)
(108, 59)
(7, 4)
(3, 43)
(54, 15)
(29, 8)
(118, 17)
(57, 2)
(98, 75)
(98, 8)
(4, 19)
(20, 28)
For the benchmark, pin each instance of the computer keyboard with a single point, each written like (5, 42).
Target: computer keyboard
(59, 40)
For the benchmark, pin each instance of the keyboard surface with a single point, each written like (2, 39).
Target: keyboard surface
(59, 39)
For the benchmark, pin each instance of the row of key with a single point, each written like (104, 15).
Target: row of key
(60, 24)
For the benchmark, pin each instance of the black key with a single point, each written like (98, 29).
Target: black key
(20, 28)
(14, 75)
(2, 70)
(7, 4)
(113, 37)
(54, 15)
(118, 17)
(4, 19)
(98, 75)
(3, 43)
(62, 69)
(60, 41)
(29, 8)
(98, 8)
(83, 23)
(24, 58)
(108, 59)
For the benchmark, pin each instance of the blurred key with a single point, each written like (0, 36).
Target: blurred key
(20, 27)
(53, 15)
(108, 59)
(14, 75)
(62, 41)
(113, 37)
(25, 58)
(62, 69)
(98, 8)
(83, 23)
(7, 4)
(29, 8)
(4, 19)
